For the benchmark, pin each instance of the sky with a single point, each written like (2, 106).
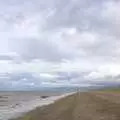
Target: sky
(59, 42)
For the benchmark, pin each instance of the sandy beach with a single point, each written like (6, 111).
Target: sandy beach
(99, 105)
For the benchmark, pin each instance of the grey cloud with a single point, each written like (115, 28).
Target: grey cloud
(5, 57)
(49, 19)
(88, 16)
(9, 57)
(14, 80)
(85, 16)
(39, 49)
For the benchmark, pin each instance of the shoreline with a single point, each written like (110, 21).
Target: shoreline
(95, 105)
(37, 104)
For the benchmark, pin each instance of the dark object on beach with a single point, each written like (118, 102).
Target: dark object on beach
(14, 106)
(43, 97)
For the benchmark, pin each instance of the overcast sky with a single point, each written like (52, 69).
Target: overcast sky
(49, 37)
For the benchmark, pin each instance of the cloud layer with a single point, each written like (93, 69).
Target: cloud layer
(54, 36)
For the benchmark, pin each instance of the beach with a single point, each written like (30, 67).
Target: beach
(96, 105)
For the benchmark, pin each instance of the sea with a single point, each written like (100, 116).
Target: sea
(15, 103)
